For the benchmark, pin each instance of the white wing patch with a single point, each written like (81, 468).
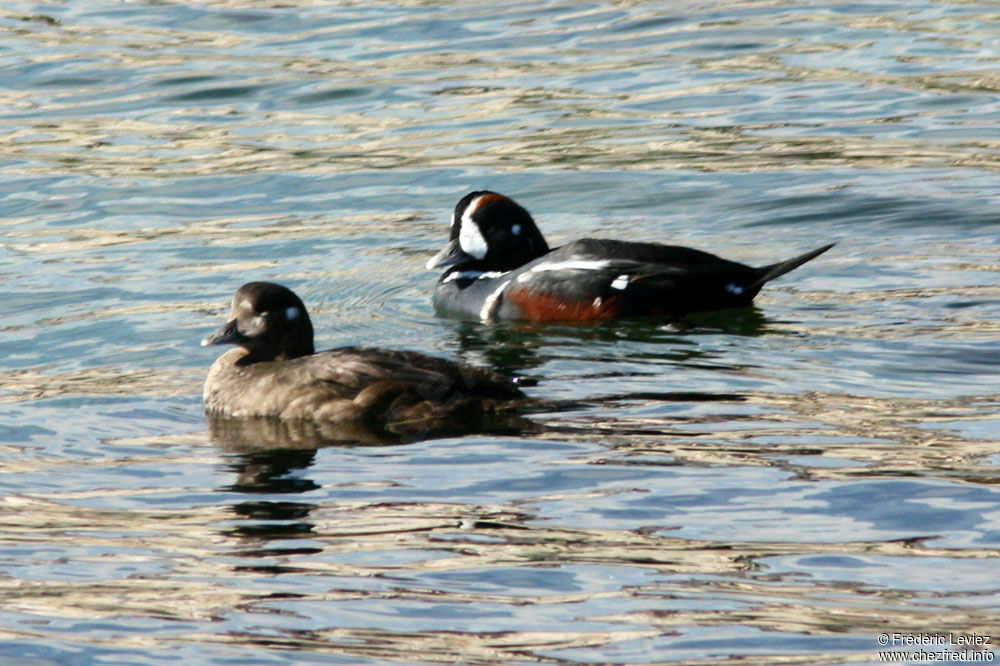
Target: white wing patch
(473, 275)
(571, 265)
(620, 282)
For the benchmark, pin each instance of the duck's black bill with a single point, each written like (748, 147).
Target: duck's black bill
(451, 254)
(228, 334)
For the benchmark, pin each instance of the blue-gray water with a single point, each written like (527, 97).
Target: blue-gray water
(788, 482)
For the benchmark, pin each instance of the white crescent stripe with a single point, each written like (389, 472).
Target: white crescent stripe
(470, 238)
(492, 302)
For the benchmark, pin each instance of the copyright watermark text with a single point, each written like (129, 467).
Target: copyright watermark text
(931, 648)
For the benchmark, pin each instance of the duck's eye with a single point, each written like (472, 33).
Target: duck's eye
(293, 313)
(516, 230)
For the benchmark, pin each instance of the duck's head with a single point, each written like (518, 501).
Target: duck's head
(269, 321)
(490, 232)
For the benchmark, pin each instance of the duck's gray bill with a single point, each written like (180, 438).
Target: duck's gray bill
(225, 335)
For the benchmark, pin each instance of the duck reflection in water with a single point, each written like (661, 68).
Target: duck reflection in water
(519, 348)
(266, 462)
(267, 449)
(269, 454)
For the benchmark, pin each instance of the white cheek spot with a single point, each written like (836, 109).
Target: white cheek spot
(292, 313)
(620, 282)
(734, 289)
(516, 230)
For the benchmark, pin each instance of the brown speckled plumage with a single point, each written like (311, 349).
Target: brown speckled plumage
(274, 373)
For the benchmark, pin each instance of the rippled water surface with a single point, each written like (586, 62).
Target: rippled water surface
(783, 483)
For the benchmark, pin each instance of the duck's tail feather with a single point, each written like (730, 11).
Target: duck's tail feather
(768, 273)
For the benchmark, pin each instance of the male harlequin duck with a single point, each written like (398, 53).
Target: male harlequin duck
(275, 372)
(500, 267)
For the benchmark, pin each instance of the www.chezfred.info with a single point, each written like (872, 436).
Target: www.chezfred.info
(931, 648)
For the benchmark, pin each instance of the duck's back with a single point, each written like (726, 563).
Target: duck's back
(599, 279)
(354, 383)
(654, 254)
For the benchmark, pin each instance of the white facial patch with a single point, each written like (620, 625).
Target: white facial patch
(293, 313)
(516, 230)
(620, 282)
(470, 238)
(734, 289)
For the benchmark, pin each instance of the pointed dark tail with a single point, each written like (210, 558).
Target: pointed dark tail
(774, 270)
